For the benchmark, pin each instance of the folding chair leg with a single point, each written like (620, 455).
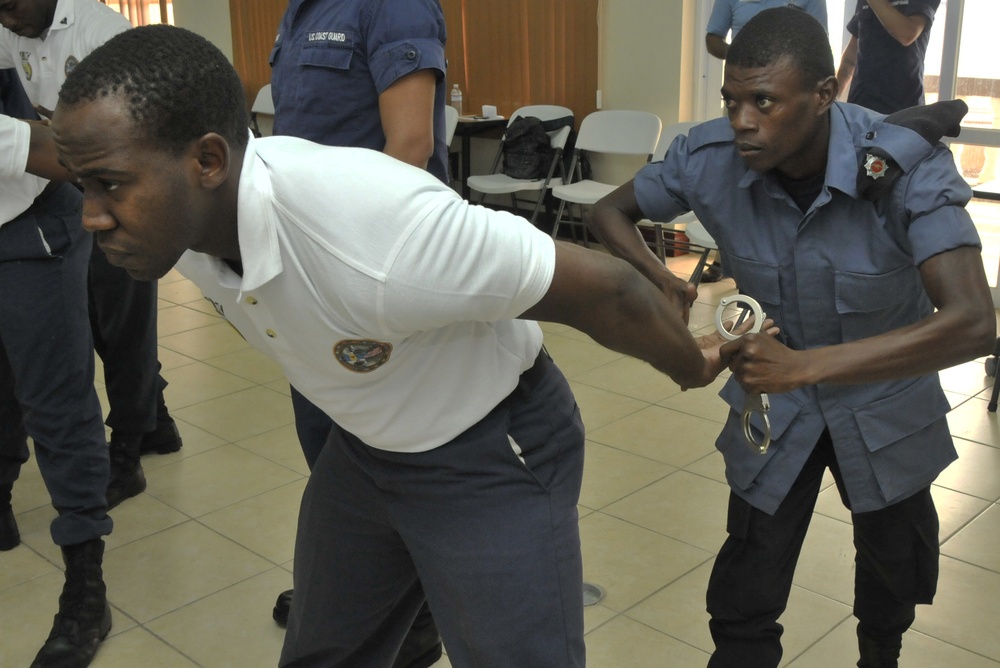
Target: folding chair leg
(555, 226)
(700, 268)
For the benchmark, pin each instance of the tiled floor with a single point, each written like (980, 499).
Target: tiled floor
(194, 564)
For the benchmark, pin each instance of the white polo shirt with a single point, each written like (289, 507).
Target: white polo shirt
(78, 27)
(389, 301)
(18, 190)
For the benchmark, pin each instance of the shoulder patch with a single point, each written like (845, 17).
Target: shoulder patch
(362, 355)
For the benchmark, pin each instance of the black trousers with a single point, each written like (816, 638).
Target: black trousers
(123, 323)
(896, 567)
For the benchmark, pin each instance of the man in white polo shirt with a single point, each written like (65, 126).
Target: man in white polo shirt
(406, 314)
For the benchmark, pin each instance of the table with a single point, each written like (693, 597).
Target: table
(467, 128)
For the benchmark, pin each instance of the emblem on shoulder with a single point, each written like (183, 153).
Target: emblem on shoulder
(874, 166)
(362, 355)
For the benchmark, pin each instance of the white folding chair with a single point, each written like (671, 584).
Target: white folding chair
(263, 105)
(450, 123)
(498, 183)
(618, 132)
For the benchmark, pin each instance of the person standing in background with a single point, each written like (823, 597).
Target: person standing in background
(733, 15)
(883, 63)
(44, 40)
(47, 381)
(368, 74)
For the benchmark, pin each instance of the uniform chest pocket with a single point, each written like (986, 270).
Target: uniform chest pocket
(870, 304)
(328, 55)
(758, 280)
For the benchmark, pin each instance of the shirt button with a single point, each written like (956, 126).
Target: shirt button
(251, 300)
(271, 333)
(411, 54)
(870, 135)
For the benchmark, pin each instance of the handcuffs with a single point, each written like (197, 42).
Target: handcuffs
(756, 402)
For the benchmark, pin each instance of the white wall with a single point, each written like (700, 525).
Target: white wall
(646, 61)
(208, 18)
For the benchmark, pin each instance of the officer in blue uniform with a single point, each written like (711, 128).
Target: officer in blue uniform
(871, 298)
(367, 74)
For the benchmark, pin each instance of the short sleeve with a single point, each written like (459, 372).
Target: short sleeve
(404, 36)
(934, 200)
(466, 263)
(852, 25)
(721, 19)
(658, 186)
(817, 9)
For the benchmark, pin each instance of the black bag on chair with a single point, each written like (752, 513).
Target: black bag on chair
(527, 150)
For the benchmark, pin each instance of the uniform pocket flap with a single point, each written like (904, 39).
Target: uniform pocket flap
(331, 55)
(865, 293)
(905, 412)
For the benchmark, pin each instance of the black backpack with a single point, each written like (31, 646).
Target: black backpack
(527, 152)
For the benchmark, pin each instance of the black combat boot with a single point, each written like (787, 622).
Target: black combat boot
(84, 617)
(164, 438)
(878, 653)
(9, 535)
(127, 479)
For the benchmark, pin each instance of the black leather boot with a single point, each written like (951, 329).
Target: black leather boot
(9, 535)
(127, 478)
(84, 617)
(879, 653)
(164, 438)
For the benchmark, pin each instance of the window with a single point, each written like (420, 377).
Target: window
(143, 12)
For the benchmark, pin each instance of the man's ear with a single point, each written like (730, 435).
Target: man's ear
(826, 92)
(213, 156)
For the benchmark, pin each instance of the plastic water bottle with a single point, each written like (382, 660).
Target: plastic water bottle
(456, 98)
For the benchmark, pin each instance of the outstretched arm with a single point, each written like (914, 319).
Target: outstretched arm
(613, 221)
(609, 300)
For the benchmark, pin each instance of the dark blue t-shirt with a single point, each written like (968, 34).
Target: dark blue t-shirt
(889, 76)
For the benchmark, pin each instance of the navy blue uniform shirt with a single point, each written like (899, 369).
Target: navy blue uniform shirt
(332, 59)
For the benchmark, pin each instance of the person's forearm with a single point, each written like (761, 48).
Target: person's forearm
(902, 28)
(610, 301)
(848, 61)
(613, 222)
(638, 320)
(43, 160)
(717, 46)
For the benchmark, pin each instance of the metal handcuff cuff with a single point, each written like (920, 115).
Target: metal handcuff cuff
(757, 402)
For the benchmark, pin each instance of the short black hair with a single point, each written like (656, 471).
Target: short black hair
(784, 31)
(178, 86)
